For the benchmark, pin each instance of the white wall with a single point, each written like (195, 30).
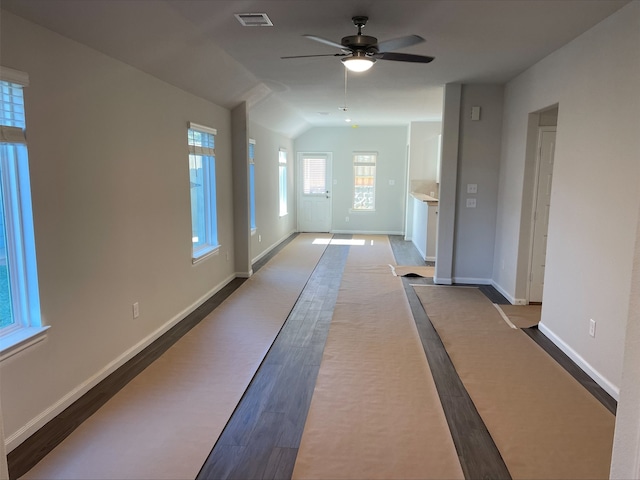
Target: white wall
(270, 227)
(391, 145)
(595, 195)
(625, 462)
(478, 163)
(423, 161)
(110, 185)
(423, 155)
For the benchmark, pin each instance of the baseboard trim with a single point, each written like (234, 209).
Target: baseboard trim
(507, 295)
(369, 232)
(442, 281)
(15, 439)
(268, 250)
(472, 280)
(609, 387)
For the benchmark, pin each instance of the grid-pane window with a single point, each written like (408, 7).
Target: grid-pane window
(19, 296)
(252, 183)
(282, 181)
(202, 175)
(364, 180)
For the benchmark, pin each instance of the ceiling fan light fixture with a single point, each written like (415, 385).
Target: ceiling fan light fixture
(359, 62)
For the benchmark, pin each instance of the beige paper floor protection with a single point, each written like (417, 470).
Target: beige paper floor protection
(522, 316)
(163, 424)
(375, 412)
(544, 423)
(403, 270)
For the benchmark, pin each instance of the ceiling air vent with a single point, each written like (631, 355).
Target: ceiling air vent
(254, 19)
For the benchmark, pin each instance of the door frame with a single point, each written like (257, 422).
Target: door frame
(299, 189)
(534, 203)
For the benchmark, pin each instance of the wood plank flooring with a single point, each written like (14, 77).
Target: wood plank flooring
(478, 454)
(36, 447)
(262, 436)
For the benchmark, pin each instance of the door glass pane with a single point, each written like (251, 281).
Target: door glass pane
(314, 176)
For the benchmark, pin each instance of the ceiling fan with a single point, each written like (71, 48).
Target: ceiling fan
(360, 51)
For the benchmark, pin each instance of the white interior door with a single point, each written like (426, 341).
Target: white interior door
(314, 192)
(546, 151)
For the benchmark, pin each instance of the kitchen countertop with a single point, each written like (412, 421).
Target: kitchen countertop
(423, 197)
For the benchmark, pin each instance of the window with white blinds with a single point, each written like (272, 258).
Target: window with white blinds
(314, 175)
(364, 181)
(20, 321)
(12, 113)
(202, 176)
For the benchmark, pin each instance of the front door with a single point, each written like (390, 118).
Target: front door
(546, 150)
(314, 192)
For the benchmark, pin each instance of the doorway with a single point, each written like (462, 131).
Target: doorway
(314, 192)
(542, 203)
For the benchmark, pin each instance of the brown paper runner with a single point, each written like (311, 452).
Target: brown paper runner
(405, 270)
(375, 412)
(545, 424)
(163, 424)
(522, 316)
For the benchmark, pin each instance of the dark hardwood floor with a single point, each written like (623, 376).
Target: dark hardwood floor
(36, 447)
(478, 454)
(262, 437)
(569, 365)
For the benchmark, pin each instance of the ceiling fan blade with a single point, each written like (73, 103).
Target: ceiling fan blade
(397, 43)
(403, 57)
(325, 41)
(321, 55)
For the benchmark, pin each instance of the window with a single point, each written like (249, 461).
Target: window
(20, 322)
(252, 183)
(202, 174)
(314, 175)
(282, 175)
(364, 181)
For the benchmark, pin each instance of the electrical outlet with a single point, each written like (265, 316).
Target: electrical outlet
(346, 219)
(259, 238)
(472, 188)
(471, 203)
(136, 310)
(592, 327)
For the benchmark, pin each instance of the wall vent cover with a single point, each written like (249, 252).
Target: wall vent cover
(254, 19)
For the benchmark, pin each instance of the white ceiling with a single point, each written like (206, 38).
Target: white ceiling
(199, 46)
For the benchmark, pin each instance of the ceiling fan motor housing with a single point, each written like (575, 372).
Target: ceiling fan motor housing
(360, 42)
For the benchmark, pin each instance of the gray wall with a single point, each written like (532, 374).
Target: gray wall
(595, 195)
(391, 145)
(111, 205)
(271, 229)
(478, 163)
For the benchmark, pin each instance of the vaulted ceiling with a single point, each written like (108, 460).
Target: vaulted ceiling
(199, 46)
